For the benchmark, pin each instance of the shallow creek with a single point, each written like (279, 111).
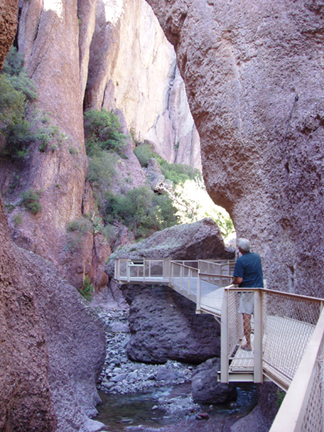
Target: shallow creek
(142, 397)
(138, 412)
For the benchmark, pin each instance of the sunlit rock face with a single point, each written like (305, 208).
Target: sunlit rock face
(133, 68)
(133, 71)
(244, 65)
(48, 36)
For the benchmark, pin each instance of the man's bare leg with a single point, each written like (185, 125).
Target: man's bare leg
(247, 331)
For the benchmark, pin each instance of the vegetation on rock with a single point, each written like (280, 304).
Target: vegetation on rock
(20, 122)
(141, 210)
(103, 132)
(188, 194)
(87, 289)
(30, 200)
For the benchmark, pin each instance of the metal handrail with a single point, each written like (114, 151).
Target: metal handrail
(302, 407)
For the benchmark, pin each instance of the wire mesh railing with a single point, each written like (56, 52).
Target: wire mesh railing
(302, 408)
(273, 336)
(290, 321)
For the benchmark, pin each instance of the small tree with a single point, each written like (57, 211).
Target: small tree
(103, 132)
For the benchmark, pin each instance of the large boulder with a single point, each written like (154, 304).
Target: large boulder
(164, 325)
(198, 240)
(52, 345)
(205, 386)
(256, 91)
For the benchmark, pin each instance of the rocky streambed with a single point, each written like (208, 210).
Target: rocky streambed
(138, 396)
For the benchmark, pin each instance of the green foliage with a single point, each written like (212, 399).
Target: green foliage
(101, 170)
(109, 232)
(45, 135)
(87, 289)
(25, 85)
(12, 104)
(142, 211)
(73, 151)
(96, 223)
(144, 153)
(16, 91)
(177, 173)
(103, 132)
(17, 219)
(77, 229)
(13, 63)
(18, 138)
(30, 200)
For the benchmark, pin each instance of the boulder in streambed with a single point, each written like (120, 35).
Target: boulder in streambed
(206, 388)
(164, 326)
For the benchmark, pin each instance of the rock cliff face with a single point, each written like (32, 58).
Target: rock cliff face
(254, 79)
(91, 54)
(133, 68)
(53, 346)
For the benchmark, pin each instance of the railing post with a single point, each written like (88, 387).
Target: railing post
(224, 338)
(198, 302)
(128, 270)
(181, 275)
(189, 280)
(116, 270)
(144, 269)
(258, 334)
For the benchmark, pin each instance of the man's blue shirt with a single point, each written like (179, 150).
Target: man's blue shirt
(249, 268)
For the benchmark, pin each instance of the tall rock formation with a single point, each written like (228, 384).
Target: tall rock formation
(92, 54)
(133, 68)
(254, 78)
(52, 347)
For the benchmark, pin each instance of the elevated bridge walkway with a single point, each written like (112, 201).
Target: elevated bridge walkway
(287, 332)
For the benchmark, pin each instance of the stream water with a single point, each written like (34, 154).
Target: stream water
(146, 397)
(165, 409)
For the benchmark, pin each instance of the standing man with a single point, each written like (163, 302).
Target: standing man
(247, 273)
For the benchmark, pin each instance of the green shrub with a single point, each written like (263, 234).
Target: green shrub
(109, 232)
(103, 132)
(18, 138)
(30, 200)
(101, 170)
(141, 211)
(16, 91)
(25, 85)
(17, 219)
(12, 104)
(177, 173)
(81, 225)
(87, 289)
(77, 229)
(144, 153)
(13, 63)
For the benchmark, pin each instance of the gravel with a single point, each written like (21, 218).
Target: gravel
(121, 375)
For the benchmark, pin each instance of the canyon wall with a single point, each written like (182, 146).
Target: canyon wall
(91, 54)
(132, 67)
(52, 346)
(254, 78)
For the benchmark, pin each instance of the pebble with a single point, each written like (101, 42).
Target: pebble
(121, 375)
